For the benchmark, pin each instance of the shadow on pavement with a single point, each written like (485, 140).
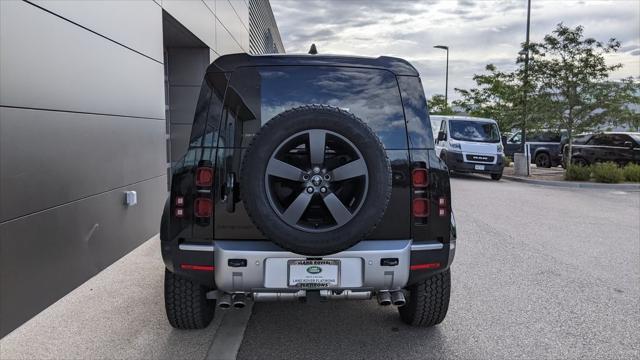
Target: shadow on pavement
(343, 329)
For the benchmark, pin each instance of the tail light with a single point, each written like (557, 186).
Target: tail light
(179, 212)
(179, 201)
(420, 203)
(419, 178)
(203, 207)
(204, 176)
(420, 208)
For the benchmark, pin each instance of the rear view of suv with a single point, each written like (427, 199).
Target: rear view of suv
(309, 177)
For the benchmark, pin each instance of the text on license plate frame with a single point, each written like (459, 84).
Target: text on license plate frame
(313, 280)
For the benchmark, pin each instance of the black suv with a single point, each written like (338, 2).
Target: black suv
(619, 147)
(309, 177)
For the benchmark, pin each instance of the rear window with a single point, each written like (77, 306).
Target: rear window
(256, 95)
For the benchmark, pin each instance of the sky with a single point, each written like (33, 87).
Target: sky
(477, 32)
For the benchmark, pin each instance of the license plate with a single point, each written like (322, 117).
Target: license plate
(479, 167)
(314, 273)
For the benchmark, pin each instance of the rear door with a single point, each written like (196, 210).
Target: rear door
(257, 94)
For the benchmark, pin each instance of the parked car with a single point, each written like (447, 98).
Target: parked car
(470, 144)
(309, 177)
(544, 146)
(619, 147)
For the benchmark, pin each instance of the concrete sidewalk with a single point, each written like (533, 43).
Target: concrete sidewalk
(119, 313)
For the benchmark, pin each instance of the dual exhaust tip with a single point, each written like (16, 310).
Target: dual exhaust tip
(386, 298)
(237, 300)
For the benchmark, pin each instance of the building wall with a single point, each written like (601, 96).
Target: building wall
(85, 115)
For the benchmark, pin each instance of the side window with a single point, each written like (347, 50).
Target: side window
(601, 140)
(256, 95)
(416, 113)
(206, 123)
(516, 139)
(619, 139)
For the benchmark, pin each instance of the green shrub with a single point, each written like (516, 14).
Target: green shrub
(607, 172)
(577, 173)
(632, 172)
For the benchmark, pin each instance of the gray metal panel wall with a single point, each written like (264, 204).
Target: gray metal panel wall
(81, 121)
(49, 158)
(45, 255)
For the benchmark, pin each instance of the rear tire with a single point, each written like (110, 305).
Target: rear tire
(186, 303)
(428, 301)
(543, 160)
(496, 177)
(579, 162)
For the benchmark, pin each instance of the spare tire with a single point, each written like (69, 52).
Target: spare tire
(315, 180)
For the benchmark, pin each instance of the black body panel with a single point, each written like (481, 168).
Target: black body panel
(239, 95)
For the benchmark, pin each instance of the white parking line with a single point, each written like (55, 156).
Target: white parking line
(228, 337)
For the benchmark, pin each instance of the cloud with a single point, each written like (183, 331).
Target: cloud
(477, 32)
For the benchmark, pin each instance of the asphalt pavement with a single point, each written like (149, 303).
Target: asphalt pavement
(540, 272)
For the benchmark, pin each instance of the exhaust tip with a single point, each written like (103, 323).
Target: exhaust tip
(384, 298)
(225, 301)
(238, 300)
(398, 298)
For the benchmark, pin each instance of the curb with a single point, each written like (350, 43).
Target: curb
(574, 185)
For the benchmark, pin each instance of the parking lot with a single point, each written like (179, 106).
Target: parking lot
(540, 272)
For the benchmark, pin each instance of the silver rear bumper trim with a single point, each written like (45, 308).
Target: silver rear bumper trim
(194, 247)
(429, 246)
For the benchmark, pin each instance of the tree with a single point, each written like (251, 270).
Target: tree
(438, 106)
(571, 75)
(498, 96)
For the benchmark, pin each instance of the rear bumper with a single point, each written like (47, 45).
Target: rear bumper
(263, 264)
(456, 162)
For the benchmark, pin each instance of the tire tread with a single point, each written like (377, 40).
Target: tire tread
(428, 301)
(186, 303)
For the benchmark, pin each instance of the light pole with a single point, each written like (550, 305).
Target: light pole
(446, 83)
(525, 84)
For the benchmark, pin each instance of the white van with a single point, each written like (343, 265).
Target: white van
(469, 144)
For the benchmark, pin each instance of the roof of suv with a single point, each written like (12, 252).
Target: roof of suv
(230, 62)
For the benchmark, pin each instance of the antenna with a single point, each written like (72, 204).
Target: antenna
(313, 50)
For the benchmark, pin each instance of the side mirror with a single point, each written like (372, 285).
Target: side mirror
(629, 144)
(442, 136)
(503, 139)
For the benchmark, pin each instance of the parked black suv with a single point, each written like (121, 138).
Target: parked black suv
(309, 177)
(619, 147)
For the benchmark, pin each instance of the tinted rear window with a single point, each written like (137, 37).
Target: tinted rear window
(256, 95)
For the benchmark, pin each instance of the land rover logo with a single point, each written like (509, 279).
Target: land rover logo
(314, 269)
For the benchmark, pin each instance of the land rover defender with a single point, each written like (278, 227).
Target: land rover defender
(309, 177)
